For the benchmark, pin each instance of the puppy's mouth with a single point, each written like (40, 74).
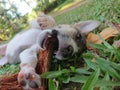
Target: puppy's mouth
(51, 40)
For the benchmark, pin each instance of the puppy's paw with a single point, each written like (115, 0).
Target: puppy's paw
(29, 80)
(45, 21)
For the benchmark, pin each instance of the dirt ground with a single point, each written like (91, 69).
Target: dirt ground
(76, 5)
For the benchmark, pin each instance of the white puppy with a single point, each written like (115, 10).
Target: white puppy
(25, 39)
(23, 43)
(71, 39)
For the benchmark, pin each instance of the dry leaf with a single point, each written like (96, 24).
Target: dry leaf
(105, 34)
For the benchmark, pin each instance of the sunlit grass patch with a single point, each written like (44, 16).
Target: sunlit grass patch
(66, 4)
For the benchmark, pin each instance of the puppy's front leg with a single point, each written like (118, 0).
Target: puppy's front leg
(27, 77)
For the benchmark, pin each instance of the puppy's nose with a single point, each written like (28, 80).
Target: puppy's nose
(67, 52)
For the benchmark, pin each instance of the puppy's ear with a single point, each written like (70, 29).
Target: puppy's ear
(41, 37)
(34, 24)
(44, 35)
(86, 26)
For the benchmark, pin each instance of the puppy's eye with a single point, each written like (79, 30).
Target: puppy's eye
(78, 36)
(78, 39)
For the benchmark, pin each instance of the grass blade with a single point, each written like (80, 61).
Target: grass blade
(105, 66)
(79, 78)
(89, 85)
(88, 59)
(52, 85)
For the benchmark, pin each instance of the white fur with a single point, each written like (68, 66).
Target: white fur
(23, 48)
(34, 24)
(29, 56)
(25, 39)
(3, 49)
(19, 43)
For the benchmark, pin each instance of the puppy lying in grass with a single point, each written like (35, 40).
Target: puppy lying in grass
(71, 39)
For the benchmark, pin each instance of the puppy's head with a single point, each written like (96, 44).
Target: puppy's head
(71, 38)
(43, 22)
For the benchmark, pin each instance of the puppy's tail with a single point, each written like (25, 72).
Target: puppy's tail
(3, 61)
(3, 49)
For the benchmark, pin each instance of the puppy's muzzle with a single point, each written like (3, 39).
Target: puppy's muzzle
(67, 52)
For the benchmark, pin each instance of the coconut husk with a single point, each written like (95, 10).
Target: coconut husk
(10, 82)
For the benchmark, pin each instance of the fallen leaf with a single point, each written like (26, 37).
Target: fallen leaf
(105, 34)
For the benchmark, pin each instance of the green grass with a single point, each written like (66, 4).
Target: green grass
(103, 10)
(9, 69)
(103, 70)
